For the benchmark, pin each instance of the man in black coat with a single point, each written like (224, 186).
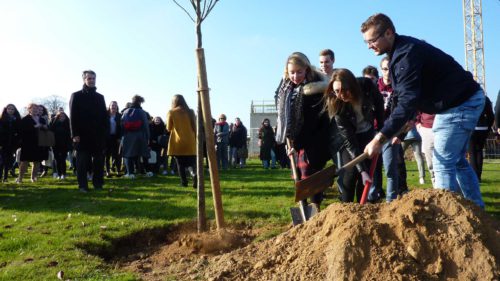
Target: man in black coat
(89, 128)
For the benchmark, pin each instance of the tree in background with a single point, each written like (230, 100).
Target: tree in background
(52, 103)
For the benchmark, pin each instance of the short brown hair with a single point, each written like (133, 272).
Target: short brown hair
(380, 21)
(85, 72)
(370, 70)
(327, 52)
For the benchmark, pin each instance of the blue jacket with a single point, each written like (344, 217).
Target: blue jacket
(425, 78)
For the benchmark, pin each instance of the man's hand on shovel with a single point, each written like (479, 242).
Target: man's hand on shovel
(375, 145)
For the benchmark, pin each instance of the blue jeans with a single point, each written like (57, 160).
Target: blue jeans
(266, 163)
(222, 153)
(390, 154)
(452, 130)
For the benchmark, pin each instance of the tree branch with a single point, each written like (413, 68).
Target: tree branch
(180, 6)
(211, 5)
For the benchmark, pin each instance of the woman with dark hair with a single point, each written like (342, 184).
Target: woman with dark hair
(182, 142)
(157, 142)
(62, 133)
(10, 123)
(113, 156)
(353, 104)
(30, 150)
(136, 133)
(267, 143)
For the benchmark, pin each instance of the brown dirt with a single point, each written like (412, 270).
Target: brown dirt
(426, 235)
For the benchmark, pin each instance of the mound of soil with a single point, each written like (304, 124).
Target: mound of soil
(426, 235)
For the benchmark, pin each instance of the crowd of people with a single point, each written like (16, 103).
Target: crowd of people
(101, 141)
(423, 99)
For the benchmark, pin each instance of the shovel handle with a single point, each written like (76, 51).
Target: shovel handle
(353, 162)
(373, 166)
(293, 164)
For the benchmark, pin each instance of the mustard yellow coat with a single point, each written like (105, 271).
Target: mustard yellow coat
(182, 140)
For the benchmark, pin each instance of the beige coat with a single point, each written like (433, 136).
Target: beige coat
(180, 124)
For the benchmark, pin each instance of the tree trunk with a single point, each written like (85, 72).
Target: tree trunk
(209, 136)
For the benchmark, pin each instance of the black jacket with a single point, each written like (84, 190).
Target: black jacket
(486, 118)
(497, 111)
(9, 133)
(62, 134)
(89, 119)
(238, 136)
(424, 78)
(343, 128)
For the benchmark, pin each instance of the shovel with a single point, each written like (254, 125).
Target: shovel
(323, 179)
(304, 212)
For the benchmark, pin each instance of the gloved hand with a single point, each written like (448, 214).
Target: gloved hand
(365, 177)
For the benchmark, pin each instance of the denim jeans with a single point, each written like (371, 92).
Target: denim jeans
(390, 154)
(222, 153)
(266, 163)
(452, 130)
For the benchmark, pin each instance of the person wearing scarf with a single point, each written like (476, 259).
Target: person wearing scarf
(89, 129)
(301, 118)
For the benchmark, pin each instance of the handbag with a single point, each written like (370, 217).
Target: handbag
(46, 138)
(242, 152)
(163, 141)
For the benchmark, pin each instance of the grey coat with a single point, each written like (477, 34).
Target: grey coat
(135, 143)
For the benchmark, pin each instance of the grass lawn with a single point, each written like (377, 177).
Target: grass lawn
(49, 226)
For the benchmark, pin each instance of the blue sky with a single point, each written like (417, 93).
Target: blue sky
(148, 47)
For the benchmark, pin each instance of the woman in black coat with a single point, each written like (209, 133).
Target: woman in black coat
(157, 142)
(10, 123)
(352, 105)
(60, 126)
(30, 151)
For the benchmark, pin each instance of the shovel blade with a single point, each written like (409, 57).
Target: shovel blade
(299, 217)
(316, 183)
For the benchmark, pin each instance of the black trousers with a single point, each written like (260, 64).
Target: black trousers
(96, 161)
(6, 162)
(476, 146)
(113, 157)
(351, 182)
(60, 160)
(183, 163)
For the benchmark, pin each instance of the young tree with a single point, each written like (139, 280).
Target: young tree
(202, 9)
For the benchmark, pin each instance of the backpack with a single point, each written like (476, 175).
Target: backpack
(132, 120)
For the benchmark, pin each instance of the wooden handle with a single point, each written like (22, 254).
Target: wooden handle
(293, 164)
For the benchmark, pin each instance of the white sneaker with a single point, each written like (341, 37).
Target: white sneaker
(421, 181)
(172, 172)
(149, 174)
(63, 177)
(164, 173)
(129, 176)
(55, 175)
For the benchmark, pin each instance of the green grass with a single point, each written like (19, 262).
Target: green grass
(49, 226)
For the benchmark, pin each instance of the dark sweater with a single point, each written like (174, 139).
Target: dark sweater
(426, 79)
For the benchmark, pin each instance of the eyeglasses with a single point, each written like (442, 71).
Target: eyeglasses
(372, 41)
